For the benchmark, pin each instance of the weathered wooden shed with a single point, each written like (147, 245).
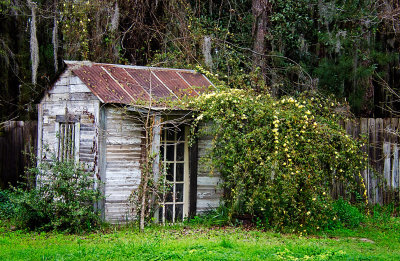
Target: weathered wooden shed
(95, 113)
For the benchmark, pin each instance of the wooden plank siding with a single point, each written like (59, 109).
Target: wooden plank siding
(70, 95)
(123, 137)
(382, 176)
(208, 191)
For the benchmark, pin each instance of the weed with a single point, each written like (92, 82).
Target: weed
(347, 215)
(212, 217)
(226, 243)
(6, 206)
(383, 213)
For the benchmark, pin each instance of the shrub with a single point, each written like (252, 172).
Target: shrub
(64, 199)
(279, 158)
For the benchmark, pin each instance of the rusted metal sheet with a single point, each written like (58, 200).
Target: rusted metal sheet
(102, 85)
(128, 83)
(196, 80)
(175, 83)
(113, 83)
(149, 82)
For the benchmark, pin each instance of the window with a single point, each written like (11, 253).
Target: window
(66, 141)
(174, 157)
(67, 133)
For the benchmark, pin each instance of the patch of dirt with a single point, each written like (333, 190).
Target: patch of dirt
(367, 240)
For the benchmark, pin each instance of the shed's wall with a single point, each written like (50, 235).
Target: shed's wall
(123, 136)
(70, 95)
(208, 192)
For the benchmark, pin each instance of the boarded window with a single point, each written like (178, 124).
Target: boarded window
(66, 141)
(68, 127)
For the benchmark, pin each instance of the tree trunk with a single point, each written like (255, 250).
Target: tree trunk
(206, 48)
(55, 38)
(114, 30)
(34, 42)
(259, 10)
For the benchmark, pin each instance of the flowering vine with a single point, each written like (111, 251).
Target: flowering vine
(280, 159)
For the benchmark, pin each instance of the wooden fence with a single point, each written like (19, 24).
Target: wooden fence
(383, 136)
(17, 140)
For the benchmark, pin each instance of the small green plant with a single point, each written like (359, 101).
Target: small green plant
(6, 206)
(383, 213)
(64, 198)
(212, 217)
(346, 215)
(226, 243)
(261, 223)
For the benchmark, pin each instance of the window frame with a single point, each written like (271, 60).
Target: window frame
(73, 120)
(186, 175)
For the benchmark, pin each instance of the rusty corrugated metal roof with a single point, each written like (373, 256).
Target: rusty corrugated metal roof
(199, 81)
(113, 83)
(150, 83)
(175, 83)
(102, 85)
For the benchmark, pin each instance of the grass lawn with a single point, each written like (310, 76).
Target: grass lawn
(374, 241)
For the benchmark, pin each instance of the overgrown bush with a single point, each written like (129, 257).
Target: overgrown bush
(279, 158)
(64, 199)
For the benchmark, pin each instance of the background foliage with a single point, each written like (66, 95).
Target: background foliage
(346, 48)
